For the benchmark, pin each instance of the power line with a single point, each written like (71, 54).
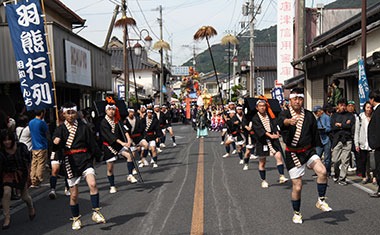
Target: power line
(233, 14)
(85, 7)
(146, 21)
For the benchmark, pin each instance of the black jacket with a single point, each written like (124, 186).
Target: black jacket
(374, 129)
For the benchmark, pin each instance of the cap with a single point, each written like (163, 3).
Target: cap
(316, 108)
(351, 102)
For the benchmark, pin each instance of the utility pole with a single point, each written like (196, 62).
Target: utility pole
(194, 55)
(162, 60)
(233, 65)
(110, 28)
(252, 48)
(364, 32)
(125, 56)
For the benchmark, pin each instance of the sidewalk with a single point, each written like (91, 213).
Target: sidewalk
(352, 178)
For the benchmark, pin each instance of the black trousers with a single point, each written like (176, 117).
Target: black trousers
(377, 165)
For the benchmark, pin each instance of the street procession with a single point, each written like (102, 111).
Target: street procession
(189, 117)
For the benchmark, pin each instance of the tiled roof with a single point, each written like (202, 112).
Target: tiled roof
(139, 62)
(265, 54)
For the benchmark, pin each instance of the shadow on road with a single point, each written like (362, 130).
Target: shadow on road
(335, 216)
(121, 219)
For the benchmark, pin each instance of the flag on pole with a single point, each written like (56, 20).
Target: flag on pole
(363, 85)
(26, 26)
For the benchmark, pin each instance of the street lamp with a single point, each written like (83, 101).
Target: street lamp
(137, 48)
(229, 39)
(147, 40)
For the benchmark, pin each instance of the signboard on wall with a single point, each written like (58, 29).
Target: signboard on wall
(78, 64)
(180, 70)
(285, 40)
(260, 86)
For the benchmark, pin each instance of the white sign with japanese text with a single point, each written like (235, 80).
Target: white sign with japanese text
(78, 64)
(285, 39)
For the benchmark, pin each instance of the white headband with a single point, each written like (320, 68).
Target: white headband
(260, 101)
(68, 109)
(291, 96)
(131, 110)
(108, 106)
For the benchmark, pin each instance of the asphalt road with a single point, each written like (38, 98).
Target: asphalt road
(194, 190)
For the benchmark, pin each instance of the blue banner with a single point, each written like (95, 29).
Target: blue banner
(26, 26)
(278, 94)
(363, 85)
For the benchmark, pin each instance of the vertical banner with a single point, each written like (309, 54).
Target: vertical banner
(363, 85)
(285, 39)
(278, 94)
(188, 111)
(27, 31)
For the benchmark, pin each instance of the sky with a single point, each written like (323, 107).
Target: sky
(181, 19)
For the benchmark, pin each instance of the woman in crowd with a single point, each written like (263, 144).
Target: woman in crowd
(201, 122)
(14, 170)
(361, 142)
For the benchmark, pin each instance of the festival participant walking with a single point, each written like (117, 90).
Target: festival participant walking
(167, 127)
(79, 146)
(14, 172)
(113, 143)
(241, 138)
(56, 159)
(299, 130)
(268, 144)
(152, 133)
(135, 130)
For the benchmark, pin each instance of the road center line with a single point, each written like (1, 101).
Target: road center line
(197, 221)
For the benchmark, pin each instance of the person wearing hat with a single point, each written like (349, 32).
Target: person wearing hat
(78, 143)
(152, 134)
(267, 144)
(324, 128)
(300, 134)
